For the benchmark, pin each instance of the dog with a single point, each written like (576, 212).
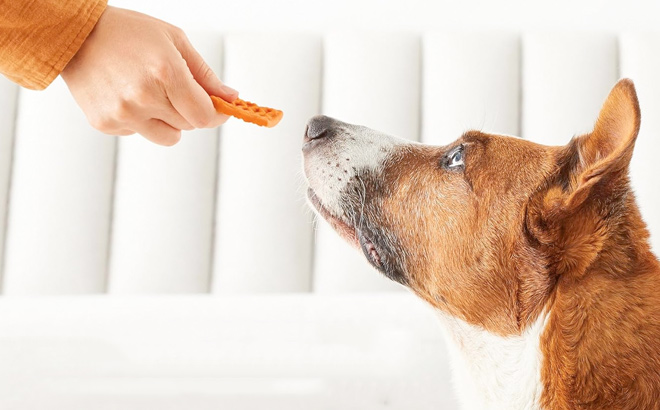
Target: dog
(535, 258)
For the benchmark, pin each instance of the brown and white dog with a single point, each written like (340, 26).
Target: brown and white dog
(535, 257)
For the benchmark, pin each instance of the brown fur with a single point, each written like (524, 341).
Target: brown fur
(526, 229)
(602, 342)
(476, 278)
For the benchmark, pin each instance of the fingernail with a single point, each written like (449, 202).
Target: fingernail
(228, 90)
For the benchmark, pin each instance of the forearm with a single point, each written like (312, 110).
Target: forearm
(39, 37)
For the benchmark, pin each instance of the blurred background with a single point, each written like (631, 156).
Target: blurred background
(195, 277)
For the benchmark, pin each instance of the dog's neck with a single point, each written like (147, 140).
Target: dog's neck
(617, 295)
(603, 330)
(492, 371)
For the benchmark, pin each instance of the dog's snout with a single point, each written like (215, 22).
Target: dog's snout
(320, 126)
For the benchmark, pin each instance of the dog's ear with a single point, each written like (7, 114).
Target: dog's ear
(592, 170)
(601, 158)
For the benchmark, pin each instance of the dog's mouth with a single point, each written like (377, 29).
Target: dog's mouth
(347, 231)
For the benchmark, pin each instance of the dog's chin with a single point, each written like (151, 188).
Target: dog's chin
(343, 228)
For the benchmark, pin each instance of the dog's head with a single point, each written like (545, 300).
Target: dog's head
(481, 228)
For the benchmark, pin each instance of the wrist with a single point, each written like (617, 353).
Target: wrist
(73, 62)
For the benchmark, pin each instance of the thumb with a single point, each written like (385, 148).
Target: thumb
(203, 74)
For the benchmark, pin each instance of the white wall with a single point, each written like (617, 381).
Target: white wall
(318, 15)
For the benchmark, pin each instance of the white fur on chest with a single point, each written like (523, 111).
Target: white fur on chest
(495, 372)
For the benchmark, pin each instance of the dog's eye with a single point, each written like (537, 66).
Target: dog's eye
(455, 158)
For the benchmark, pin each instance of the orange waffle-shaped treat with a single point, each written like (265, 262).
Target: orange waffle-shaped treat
(248, 112)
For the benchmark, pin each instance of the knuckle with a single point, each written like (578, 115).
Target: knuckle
(178, 32)
(123, 112)
(162, 70)
(206, 71)
(136, 94)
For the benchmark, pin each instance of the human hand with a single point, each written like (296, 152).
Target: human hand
(135, 73)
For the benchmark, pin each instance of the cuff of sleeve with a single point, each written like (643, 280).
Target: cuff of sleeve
(89, 17)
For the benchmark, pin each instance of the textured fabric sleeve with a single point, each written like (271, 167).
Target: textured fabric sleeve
(39, 37)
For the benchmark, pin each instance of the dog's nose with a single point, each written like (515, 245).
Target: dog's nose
(319, 126)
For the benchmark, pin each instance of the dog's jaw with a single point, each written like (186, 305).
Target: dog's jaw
(337, 222)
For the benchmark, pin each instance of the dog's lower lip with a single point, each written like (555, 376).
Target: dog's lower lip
(350, 233)
(370, 250)
(343, 228)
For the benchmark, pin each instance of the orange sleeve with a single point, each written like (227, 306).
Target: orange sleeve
(39, 37)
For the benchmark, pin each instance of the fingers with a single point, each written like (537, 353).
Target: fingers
(158, 132)
(191, 89)
(138, 114)
(189, 98)
(227, 93)
(202, 73)
(218, 120)
(172, 118)
(123, 133)
(164, 89)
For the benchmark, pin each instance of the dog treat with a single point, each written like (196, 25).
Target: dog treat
(248, 112)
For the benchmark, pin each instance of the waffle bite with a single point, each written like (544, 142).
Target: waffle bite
(248, 112)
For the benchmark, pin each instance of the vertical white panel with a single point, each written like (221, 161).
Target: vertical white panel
(471, 81)
(371, 79)
(8, 94)
(566, 78)
(59, 209)
(264, 231)
(164, 207)
(640, 61)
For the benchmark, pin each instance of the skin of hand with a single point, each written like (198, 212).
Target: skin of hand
(135, 73)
